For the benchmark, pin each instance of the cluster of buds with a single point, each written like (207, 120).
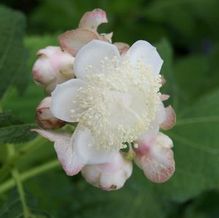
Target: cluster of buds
(111, 90)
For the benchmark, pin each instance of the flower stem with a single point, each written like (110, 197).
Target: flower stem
(18, 183)
(38, 141)
(29, 174)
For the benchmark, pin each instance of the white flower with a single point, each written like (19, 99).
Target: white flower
(112, 92)
(52, 67)
(115, 97)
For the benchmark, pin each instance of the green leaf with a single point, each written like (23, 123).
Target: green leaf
(196, 150)
(14, 131)
(205, 206)
(75, 197)
(12, 52)
(194, 68)
(197, 75)
(34, 94)
(12, 208)
(170, 87)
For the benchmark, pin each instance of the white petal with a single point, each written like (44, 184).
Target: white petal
(148, 138)
(86, 149)
(64, 149)
(146, 53)
(91, 55)
(161, 114)
(123, 47)
(63, 100)
(109, 176)
(157, 161)
(164, 97)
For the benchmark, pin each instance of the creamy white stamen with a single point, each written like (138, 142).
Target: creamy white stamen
(119, 102)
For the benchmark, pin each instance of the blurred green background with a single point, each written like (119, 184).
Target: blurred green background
(186, 33)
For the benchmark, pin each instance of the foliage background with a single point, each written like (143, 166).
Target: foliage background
(186, 33)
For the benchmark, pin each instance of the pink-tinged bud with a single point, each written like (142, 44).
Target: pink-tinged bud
(170, 118)
(52, 67)
(92, 19)
(164, 97)
(122, 47)
(156, 159)
(45, 117)
(109, 176)
(71, 41)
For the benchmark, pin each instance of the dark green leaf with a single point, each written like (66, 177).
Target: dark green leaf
(79, 199)
(12, 52)
(14, 131)
(196, 150)
(34, 94)
(12, 208)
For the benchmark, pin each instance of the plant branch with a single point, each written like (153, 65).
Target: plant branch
(38, 141)
(29, 174)
(18, 183)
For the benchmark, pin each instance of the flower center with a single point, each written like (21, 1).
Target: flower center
(120, 102)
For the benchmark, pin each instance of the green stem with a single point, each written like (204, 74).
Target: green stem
(21, 193)
(38, 141)
(18, 183)
(29, 174)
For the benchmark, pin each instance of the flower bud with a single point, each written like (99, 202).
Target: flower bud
(72, 40)
(45, 117)
(155, 158)
(170, 118)
(52, 67)
(92, 19)
(109, 176)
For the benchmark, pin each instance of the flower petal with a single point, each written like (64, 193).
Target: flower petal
(170, 120)
(63, 100)
(123, 47)
(109, 176)
(158, 161)
(91, 55)
(164, 97)
(145, 52)
(71, 41)
(161, 113)
(106, 37)
(86, 149)
(92, 19)
(64, 149)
